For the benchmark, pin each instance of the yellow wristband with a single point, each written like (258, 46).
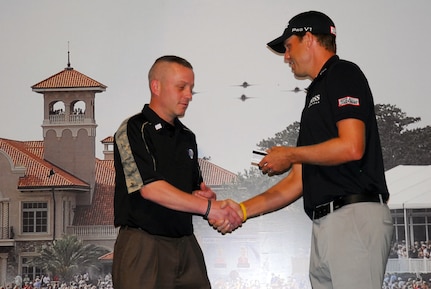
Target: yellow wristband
(244, 212)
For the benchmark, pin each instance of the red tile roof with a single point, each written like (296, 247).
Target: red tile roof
(107, 257)
(214, 175)
(101, 210)
(29, 155)
(68, 78)
(109, 139)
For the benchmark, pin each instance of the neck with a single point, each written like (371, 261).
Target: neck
(320, 61)
(162, 114)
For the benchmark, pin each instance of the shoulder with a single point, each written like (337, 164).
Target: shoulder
(187, 130)
(343, 66)
(184, 128)
(133, 123)
(135, 120)
(345, 71)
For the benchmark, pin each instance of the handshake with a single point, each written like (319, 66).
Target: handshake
(225, 216)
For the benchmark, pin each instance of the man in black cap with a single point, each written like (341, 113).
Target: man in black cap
(337, 166)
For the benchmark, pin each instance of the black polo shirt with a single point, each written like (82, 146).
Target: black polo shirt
(340, 91)
(147, 149)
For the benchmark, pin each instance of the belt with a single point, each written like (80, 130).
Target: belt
(126, 227)
(322, 210)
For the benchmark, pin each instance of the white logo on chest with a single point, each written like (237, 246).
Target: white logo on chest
(314, 100)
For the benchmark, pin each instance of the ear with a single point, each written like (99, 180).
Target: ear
(155, 87)
(309, 38)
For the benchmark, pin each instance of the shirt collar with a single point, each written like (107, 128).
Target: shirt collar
(324, 69)
(327, 64)
(157, 121)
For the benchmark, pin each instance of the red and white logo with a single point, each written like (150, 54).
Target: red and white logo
(348, 100)
(333, 30)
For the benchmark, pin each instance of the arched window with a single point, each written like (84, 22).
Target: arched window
(78, 108)
(56, 107)
(56, 112)
(77, 111)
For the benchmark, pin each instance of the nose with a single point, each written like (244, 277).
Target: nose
(189, 93)
(286, 56)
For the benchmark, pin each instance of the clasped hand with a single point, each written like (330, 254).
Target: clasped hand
(226, 217)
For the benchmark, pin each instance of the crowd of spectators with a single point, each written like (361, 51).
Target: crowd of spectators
(57, 111)
(76, 111)
(276, 282)
(232, 282)
(391, 281)
(407, 281)
(45, 282)
(420, 249)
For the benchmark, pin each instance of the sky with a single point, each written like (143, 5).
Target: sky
(116, 42)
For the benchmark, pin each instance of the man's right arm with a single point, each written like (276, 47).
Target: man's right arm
(285, 192)
(282, 194)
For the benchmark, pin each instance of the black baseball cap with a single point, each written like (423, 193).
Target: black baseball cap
(311, 21)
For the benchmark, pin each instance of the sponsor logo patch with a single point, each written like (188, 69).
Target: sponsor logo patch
(314, 100)
(348, 100)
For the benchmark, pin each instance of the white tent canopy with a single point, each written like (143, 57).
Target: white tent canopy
(409, 187)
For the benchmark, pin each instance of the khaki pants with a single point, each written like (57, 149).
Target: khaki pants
(146, 261)
(350, 247)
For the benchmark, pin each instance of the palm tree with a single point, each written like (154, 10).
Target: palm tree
(67, 257)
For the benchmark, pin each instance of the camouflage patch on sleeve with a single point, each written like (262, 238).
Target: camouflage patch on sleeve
(133, 177)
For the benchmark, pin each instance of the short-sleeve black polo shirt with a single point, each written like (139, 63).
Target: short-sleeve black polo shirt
(147, 149)
(340, 91)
